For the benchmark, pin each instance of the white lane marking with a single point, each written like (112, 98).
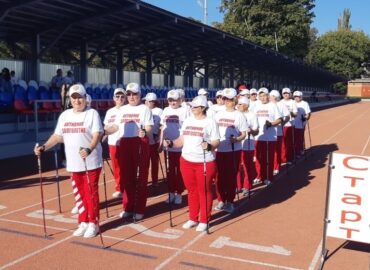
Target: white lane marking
(242, 260)
(222, 241)
(178, 252)
(35, 253)
(139, 242)
(316, 257)
(2, 207)
(49, 200)
(50, 214)
(363, 149)
(168, 233)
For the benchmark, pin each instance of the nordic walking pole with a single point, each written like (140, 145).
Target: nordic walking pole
(57, 178)
(110, 168)
(267, 152)
(168, 183)
(309, 134)
(137, 181)
(105, 192)
(205, 186)
(92, 198)
(42, 191)
(160, 164)
(247, 169)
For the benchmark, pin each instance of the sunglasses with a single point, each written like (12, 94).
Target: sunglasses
(225, 98)
(219, 97)
(171, 100)
(132, 94)
(254, 94)
(119, 96)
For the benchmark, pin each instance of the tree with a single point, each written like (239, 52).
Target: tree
(343, 22)
(259, 21)
(341, 52)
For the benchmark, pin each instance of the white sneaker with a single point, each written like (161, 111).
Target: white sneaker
(189, 224)
(220, 206)
(74, 210)
(267, 182)
(229, 208)
(275, 172)
(172, 198)
(117, 194)
(257, 181)
(178, 199)
(202, 227)
(139, 216)
(92, 230)
(125, 214)
(81, 229)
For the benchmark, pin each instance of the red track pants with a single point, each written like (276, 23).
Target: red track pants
(175, 182)
(227, 165)
(264, 149)
(154, 162)
(247, 170)
(87, 199)
(114, 157)
(277, 153)
(299, 140)
(195, 183)
(134, 162)
(287, 152)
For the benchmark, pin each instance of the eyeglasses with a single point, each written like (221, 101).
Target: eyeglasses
(132, 94)
(229, 99)
(285, 93)
(171, 100)
(119, 96)
(253, 94)
(219, 97)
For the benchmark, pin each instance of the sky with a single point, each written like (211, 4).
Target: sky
(327, 12)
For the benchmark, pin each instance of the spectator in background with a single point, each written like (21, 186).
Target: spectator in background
(69, 79)
(58, 80)
(5, 83)
(13, 79)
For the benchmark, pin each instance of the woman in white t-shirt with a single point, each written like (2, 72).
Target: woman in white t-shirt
(199, 138)
(172, 119)
(134, 122)
(287, 154)
(268, 118)
(151, 103)
(232, 126)
(80, 129)
(247, 163)
(300, 121)
(119, 97)
(274, 98)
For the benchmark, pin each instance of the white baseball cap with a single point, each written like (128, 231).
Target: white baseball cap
(77, 89)
(181, 92)
(263, 90)
(243, 100)
(244, 92)
(119, 90)
(199, 101)
(286, 90)
(229, 93)
(253, 91)
(174, 94)
(150, 97)
(297, 94)
(202, 91)
(133, 87)
(219, 93)
(275, 93)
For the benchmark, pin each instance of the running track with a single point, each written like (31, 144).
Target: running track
(280, 227)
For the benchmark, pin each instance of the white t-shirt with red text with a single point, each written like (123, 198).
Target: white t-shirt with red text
(284, 112)
(292, 107)
(303, 109)
(132, 118)
(253, 104)
(194, 132)
(230, 124)
(264, 112)
(172, 121)
(77, 130)
(252, 124)
(109, 120)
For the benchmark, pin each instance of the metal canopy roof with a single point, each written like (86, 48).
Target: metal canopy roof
(140, 29)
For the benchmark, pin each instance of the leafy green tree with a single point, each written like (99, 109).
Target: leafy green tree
(341, 52)
(260, 20)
